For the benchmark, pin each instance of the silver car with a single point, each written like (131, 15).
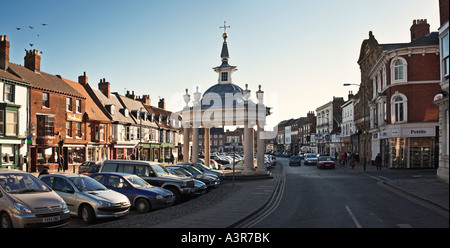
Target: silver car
(27, 202)
(87, 198)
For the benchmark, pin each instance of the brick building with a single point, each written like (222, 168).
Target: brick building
(400, 85)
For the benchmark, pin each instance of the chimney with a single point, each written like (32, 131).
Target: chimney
(131, 96)
(443, 11)
(33, 60)
(145, 100)
(161, 104)
(83, 79)
(350, 95)
(4, 52)
(419, 29)
(104, 86)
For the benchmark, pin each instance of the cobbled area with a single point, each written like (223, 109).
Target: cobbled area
(196, 204)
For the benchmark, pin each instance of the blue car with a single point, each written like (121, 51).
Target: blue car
(143, 196)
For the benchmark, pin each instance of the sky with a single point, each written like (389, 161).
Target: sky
(300, 52)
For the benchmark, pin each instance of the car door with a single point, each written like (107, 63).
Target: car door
(120, 185)
(64, 189)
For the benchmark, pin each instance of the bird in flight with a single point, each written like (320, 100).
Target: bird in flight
(18, 28)
(30, 27)
(44, 24)
(31, 44)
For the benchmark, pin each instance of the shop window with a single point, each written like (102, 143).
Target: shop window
(75, 155)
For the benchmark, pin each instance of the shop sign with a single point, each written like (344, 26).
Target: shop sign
(418, 132)
(74, 117)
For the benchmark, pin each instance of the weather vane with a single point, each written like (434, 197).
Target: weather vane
(225, 30)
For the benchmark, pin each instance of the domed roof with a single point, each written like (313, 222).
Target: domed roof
(228, 93)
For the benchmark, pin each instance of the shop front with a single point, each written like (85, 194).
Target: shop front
(408, 147)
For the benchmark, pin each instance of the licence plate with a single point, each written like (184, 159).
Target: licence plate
(51, 219)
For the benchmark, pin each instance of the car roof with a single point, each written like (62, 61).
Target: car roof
(8, 171)
(131, 161)
(112, 173)
(64, 175)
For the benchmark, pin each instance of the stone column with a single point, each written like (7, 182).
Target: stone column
(260, 151)
(195, 147)
(207, 147)
(248, 157)
(196, 125)
(186, 144)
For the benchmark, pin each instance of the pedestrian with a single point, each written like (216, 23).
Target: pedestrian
(342, 159)
(378, 161)
(352, 160)
(172, 159)
(61, 163)
(133, 157)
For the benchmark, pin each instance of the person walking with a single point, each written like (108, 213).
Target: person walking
(378, 161)
(352, 160)
(61, 163)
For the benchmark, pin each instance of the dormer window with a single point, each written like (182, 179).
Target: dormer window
(125, 112)
(113, 109)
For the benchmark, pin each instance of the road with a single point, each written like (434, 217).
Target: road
(340, 198)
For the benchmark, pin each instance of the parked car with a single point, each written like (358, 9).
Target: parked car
(94, 168)
(143, 196)
(87, 198)
(325, 162)
(155, 174)
(295, 160)
(84, 167)
(310, 158)
(200, 187)
(25, 201)
(238, 166)
(203, 168)
(272, 159)
(214, 165)
(211, 181)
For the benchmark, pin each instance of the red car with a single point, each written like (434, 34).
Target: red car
(325, 162)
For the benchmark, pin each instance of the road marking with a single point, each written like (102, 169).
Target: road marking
(353, 217)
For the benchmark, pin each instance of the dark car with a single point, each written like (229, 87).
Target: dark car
(210, 180)
(155, 174)
(203, 168)
(199, 185)
(295, 160)
(143, 196)
(325, 162)
(84, 167)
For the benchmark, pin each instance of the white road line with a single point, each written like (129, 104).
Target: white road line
(353, 217)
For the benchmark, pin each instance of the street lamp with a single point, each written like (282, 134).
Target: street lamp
(364, 119)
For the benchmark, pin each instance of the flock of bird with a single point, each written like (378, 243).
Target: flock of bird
(31, 27)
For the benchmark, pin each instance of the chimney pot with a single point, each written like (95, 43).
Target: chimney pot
(33, 60)
(104, 87)
(419, 29)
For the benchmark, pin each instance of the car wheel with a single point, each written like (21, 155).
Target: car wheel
(176, 194)
(5, 221)
(142, 205)
(87, 214)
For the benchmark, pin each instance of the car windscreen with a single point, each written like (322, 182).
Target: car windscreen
(136, 181)
(325, 158)
(86, 183)
(19, 183)
(160, 170)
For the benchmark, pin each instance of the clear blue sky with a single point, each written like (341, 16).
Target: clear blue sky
(301, 52)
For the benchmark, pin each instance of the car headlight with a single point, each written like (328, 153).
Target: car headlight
(22, 208)
(63, 205)
(106, 204)
(159, 197)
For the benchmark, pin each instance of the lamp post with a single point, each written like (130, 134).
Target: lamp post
(364, 119)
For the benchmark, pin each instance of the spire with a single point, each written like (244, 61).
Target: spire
(225, 69)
